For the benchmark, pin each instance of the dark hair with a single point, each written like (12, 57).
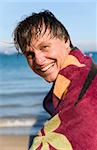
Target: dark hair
(32, 26)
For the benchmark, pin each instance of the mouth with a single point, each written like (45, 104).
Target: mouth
(46, 68)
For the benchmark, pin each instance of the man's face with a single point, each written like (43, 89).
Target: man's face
(46, 55)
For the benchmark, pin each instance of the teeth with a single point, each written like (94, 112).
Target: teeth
(47, 67)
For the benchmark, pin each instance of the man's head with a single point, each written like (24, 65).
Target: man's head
(45, 42)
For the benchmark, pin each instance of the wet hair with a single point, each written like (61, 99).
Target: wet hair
(32, 27)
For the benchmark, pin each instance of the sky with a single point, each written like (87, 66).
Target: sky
(79, 17)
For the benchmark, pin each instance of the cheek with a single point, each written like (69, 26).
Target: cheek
(52, 54)
(30, 63)
(32, 66)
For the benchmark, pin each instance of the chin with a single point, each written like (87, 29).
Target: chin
(51, 79)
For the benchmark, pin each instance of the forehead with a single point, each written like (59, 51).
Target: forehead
(41, 36)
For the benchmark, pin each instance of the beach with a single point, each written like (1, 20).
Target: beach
(21, 98)
(13, 142)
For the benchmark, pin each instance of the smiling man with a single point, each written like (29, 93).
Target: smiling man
(48, 55)
(72, 100)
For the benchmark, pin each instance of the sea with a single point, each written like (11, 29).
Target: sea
(21, 96)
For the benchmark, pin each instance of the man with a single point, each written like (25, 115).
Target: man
(72, 100)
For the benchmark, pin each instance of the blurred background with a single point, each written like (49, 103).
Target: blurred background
(22, 91)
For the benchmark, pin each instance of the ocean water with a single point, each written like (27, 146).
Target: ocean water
(21, 96)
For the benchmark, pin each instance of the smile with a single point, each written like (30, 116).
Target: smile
(44, 69)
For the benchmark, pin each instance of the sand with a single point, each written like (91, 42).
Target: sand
(13, 142)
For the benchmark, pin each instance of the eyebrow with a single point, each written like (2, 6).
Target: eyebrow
(39, 45)
(44, 43)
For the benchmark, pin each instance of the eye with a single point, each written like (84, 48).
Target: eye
(44, 47)
(30, 55)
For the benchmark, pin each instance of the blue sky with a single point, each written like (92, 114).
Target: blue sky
(79, 17)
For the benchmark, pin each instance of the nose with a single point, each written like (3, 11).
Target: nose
(39, 58)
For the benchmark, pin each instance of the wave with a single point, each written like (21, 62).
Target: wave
(14, 51)
(17, 122)
(24, 121)
(8, 49)
(19, 105)
(6, 52)
(26, 93)
(29, 126)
